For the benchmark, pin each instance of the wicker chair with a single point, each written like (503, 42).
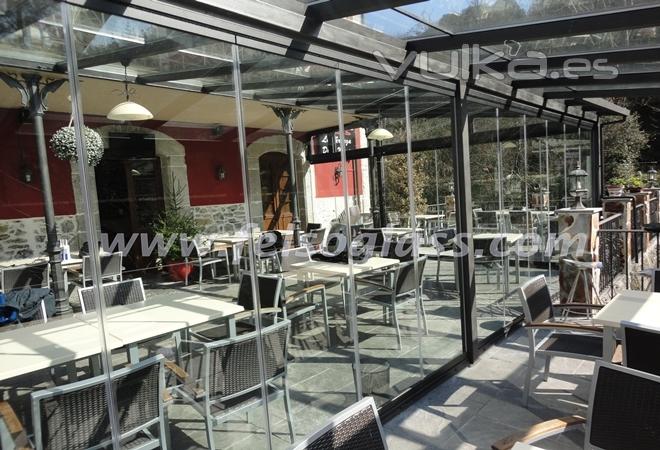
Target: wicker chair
(29, 276)
(75, 416)
(357, 427)
(198, 260)
(400, 291)
(115, 294)
(566, 339)
(640, 344)
(229, 382)
(623, 413)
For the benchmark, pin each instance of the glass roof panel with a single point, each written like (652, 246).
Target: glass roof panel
(456, 16)
(394, 24)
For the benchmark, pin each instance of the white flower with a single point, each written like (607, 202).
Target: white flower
(63, 144)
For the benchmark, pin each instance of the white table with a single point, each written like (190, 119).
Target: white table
(132, 324)
(38, 347)
(640, 307)
(69, 263)
(343, 270)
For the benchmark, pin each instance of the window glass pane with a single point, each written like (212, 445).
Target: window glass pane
(46, 341)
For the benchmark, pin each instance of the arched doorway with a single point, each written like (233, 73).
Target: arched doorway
(275, 190)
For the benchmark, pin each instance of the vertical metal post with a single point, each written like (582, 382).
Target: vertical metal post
(463, 193)
(380, 176)
(33, 97)
(596, 164)
(287, 115)
(375, 214)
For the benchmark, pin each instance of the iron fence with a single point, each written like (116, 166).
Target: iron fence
(639, 220)
(612, 251)
(653, 209)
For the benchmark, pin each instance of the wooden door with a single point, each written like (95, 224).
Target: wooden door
(275, 191)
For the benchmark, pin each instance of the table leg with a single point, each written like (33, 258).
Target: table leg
(133, 354)
(231, 326)
(609, 343)
(517, 268)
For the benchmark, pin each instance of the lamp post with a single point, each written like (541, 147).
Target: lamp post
(576, 178)
(379, 135)
(651, 176)
(33, 98)
(287, 116)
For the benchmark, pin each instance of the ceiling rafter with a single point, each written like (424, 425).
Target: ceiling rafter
(323, 10)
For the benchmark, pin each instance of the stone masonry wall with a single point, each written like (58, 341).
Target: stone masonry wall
(219, 219)
(26, 238)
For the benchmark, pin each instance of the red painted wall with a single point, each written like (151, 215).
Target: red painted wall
(21, 200)
(327, 186)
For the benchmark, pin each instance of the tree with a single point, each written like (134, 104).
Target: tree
(623, 144)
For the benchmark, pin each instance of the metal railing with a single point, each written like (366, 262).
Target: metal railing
(612, 251)
(639, 220)
(653, 208)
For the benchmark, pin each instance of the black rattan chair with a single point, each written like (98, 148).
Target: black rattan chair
(400, 291)
(35, 275)
(566, 339)
(640, 346)
(624, 413)
(116, 293)
(492, 253)
(75, 416)
(357, 427)
(229, 381)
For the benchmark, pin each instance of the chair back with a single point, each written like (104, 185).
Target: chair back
(624, 409)
(406, 281)
(111, 266)
(536, 300)
(373, 237)
(640, 346)
(75, 416)
(270, 287)
(443, 238)
(115, 294)
(490, 247)
(270, 242)
(486, 219)
(356, 427)
(401, 249)
(312, 226)
(520, 219)
(25, 277)
(315, 237)
(231, 366)
(290, 256)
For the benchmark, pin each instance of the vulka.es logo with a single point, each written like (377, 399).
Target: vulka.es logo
(474, 62)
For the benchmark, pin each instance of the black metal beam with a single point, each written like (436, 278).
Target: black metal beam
(616, 56)
(323, 10)
(133, 52)
(651, 76)
(598, 105)
(285, 82)
(597, 22)
(325, 92)
(24, 14)
(633, 91)
(221, 69)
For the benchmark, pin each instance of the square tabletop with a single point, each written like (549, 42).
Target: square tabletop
(640, 307)
(341, 269)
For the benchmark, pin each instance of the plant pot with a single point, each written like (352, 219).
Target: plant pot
(634, 190)
(614, 190)
(179, 270)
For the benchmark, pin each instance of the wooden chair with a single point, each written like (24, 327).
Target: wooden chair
(357, 427)
(622, 414)
(76, 415)
(569, 340)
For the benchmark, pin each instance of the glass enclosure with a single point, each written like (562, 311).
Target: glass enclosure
(225, 246)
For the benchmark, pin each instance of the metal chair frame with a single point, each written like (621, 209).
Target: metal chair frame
(199, 261)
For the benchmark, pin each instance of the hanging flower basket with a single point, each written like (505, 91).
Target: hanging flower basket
(63, 144)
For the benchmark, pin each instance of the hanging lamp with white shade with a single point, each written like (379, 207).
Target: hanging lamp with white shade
(128, 110)
(380, 134)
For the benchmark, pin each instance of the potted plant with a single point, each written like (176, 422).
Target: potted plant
(63, 144)
(615, 186)
(635, 184)
(176, 221)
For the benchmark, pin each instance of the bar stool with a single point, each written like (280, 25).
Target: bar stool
(583, 267)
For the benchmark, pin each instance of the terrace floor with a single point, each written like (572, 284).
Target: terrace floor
(321, 376)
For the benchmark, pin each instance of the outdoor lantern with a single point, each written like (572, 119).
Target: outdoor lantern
(220, 172)
(380, 134)
(652, 175)
(26, 174)
(129, 110)
(576, 177)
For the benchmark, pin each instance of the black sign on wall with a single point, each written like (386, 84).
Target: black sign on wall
(330, 143)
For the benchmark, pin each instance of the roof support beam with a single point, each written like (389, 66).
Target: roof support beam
(221, 69)
(618, 56)
(597, 22)
(323, 10)
(599, 105)
(132, 52)
(635, 91)
(325, 92)
(590, 80)
(285, 82)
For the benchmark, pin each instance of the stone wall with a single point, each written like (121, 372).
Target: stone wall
(218, 219)
(26, 238)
